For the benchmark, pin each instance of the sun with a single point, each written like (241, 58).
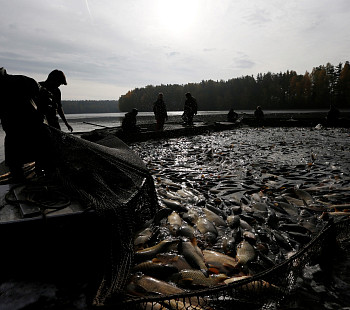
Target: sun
(177, 16)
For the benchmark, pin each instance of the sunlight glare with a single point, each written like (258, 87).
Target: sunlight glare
(177, 16)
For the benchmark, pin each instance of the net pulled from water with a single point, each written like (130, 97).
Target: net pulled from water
(114, 182)
(263, 290)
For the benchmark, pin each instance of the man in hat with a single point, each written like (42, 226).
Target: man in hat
(27, 137)
(51, 105)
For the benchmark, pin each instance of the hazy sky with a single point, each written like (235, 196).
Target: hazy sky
(107, 47)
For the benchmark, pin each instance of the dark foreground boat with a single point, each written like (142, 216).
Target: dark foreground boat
(78, 226)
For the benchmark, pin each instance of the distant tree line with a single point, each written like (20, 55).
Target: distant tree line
(89, 106)
(289, 90)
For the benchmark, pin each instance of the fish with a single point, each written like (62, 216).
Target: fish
(174, 304)
(143, 236)
(155, 286)
(175, 222)
(245, 252)
(216, 210)
(281, 240)
(213, 217)
(304, 196)
(161, 214)
(196, 278)
(245, 226)
(260, 206)
(257, 286)
(222, 262)
(288, 208)
(154, 269)
(204, 226)
(174, 205)
(151, 252)
(235, 279)
(229, 245)
(191, 216)
(295, 201)
(186, 230)
(193, 256)
(233, 221)
(249, 236)
(293, 227)
(173, 259)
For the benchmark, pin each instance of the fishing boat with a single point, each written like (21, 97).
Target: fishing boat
(148, 131)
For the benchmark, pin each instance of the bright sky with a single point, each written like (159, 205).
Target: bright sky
(107, 47)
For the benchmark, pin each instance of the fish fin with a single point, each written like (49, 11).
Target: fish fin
(213, 270)
(231, 266)
(194, 241)
(187, 281)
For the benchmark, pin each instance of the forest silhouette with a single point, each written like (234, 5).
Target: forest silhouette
(272, 91)
(316, 90)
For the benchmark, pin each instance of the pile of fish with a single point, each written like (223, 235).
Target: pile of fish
(236, 203)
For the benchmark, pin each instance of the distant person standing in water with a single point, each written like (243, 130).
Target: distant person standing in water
(190, 109)
(259, 115)
(52, 105)
(160, 112)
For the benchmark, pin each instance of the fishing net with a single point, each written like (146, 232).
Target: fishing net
(114, 182)
(264, 290)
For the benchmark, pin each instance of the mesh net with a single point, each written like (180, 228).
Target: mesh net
(261, 291)
(115, 183)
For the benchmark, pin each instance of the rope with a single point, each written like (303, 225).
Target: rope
(43, 196)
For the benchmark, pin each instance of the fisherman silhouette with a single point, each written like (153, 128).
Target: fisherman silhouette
(129, 122)
(27, 138)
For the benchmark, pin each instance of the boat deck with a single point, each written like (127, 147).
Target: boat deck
(148, 132)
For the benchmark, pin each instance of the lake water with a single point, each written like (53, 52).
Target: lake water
(90, 121)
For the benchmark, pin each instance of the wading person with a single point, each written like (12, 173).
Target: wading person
(129, 122)
(190, 109)
(52, 105)
(27, 138)
(160, 112)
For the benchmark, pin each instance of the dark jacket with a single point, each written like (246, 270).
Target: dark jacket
(159, 109)
(190, 107)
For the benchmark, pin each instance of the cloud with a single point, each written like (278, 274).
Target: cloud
(125, 44)
(243, 64)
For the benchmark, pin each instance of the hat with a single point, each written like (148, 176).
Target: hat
(58, 76)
